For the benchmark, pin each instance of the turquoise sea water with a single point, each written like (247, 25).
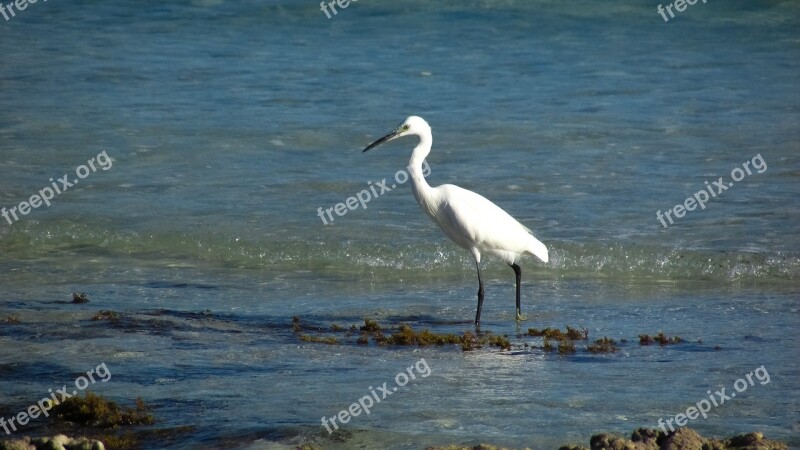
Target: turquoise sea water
(230, 123)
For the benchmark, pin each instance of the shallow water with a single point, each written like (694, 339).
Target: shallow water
(230, 123)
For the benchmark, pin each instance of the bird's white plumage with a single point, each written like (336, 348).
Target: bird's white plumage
(467, 218)
(475, 223)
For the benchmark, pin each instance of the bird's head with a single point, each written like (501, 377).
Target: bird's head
(413, 125)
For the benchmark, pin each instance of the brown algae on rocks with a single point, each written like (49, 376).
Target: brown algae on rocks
(370, 326)
(319, 339)
(100, 419)
(95, 411)
(56, 442)
(296, 324)
(646, 339)
(682, 438)
(566, 339)
(646, 439)
(9, 320)
(603, 345)
(109, 315)
(101, 424)
(553, 339)
(403, 335)
(79, 298)
(406, 335)
(297, 329)
(573, 334)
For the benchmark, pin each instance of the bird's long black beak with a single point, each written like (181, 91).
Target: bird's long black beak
(380, 141)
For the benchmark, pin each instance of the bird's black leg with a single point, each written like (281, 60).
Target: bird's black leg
(480, 297)
(518, 273)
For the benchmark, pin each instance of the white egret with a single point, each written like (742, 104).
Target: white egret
(467, 218)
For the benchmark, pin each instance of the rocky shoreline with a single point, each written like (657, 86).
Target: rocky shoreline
(647, 439)
(682, 438)
(58, 442)
(641, 439)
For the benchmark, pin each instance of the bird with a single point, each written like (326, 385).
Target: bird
(467, 218)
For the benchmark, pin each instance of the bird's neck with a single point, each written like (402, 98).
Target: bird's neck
(422, 190)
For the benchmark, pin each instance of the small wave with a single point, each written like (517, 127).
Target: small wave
(324, 257)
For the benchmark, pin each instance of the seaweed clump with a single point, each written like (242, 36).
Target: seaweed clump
(407, 336)
(573, 334)
(95, 411)
(566, 339)
(296, 324)
(603, 345)
(469, 342)
(403, 335)
(102, 422)
(565, 342)
(297, 328)
(661, 338)
(330, 340)
(566, 346)
(370, 326)
(499, 341)
(105, 314)
(9, 320)
(79, 298)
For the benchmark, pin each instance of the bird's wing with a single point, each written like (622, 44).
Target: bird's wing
(471, 220)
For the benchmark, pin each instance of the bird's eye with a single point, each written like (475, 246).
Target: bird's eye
(405, 127)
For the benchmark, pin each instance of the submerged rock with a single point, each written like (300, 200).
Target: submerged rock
(93, 410)
(661, 338)
(647, 439)
(9, 320)
(681, 439)
(684, 438)
(79, 298)
(58, 442)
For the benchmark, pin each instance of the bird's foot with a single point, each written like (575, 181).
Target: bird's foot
(521, 317)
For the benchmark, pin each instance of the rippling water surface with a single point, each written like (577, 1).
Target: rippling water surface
(230, 123)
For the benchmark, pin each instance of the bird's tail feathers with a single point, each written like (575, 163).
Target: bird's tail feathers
(538, 249)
